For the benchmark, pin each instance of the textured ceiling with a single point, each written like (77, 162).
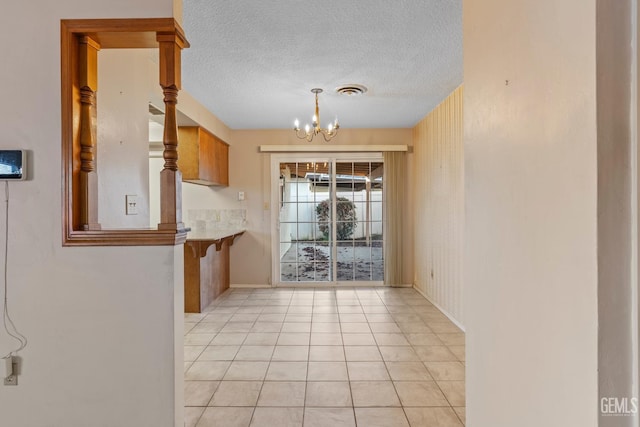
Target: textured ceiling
(253, 63)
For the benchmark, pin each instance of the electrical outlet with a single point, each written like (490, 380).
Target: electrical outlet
(240, 195)
(11, 371)
(11, 380)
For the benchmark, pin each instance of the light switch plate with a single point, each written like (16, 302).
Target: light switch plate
(131, 204)
(241, 195)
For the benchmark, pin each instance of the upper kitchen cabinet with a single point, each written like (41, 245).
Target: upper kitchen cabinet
(203, 158)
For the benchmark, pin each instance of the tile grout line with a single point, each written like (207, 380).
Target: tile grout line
(219, 382)
(306, 383)
(391, 379)
(346, 364)
(253, 412)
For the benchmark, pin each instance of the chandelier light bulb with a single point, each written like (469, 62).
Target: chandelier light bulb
(306, 128)
(296, 124)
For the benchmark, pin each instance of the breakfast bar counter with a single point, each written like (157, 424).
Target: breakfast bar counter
(206, 266)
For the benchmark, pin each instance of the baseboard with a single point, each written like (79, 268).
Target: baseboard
(320, 285)
(330, 285)
(442, 310)
(248, 286)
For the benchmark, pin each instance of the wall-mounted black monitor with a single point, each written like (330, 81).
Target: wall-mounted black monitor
(13, 165)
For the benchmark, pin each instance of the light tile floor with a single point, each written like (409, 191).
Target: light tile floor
(319, 357)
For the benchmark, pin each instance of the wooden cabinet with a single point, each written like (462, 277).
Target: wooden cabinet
(203, 158)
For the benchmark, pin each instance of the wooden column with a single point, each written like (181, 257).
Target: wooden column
(170, 45)
(88, 83)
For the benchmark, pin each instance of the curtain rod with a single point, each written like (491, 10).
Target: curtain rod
(331, 148)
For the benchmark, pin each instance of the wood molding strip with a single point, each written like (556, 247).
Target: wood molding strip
(88, 83)
(125, 238)
(200, 247)
(126, 33)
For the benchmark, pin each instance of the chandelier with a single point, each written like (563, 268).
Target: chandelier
(315, 129)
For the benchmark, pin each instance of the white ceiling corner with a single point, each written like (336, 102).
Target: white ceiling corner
(253, 63)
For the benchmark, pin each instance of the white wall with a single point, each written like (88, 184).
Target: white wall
(100, 321)
(531, 213)
(156, 164)
(438, 206)
(123, 135)
(195, 196)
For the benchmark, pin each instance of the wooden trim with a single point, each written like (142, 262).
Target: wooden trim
(79, 41)
(328, 148)
(69, 92)
(125, 238)
(200, 247)
(88, 84)
(126, 33)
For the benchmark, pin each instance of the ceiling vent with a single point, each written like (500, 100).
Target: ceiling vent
(351, 90)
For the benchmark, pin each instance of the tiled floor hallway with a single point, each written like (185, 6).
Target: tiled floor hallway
(363, 357)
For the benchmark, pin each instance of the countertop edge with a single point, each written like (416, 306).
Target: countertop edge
(214, 235)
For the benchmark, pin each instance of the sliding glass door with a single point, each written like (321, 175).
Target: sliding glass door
(305, 236)
(358, 221)
(328, 220)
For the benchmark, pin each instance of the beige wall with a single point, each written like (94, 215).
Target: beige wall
(531, 213)
(100, 320)
(438, 206)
